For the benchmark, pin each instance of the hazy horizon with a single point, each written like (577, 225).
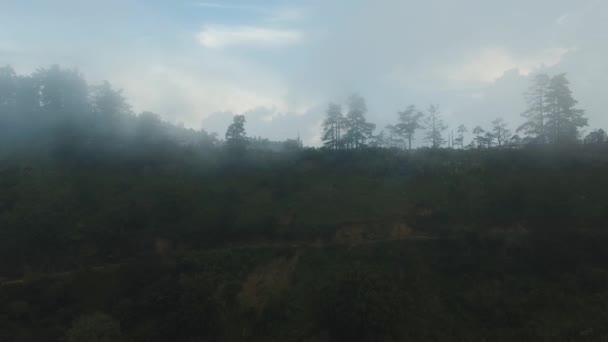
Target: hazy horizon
(281, 62)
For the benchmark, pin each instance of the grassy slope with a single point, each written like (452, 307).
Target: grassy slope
(300, 248)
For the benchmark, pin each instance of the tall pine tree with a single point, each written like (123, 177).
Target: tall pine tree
(536, 114)
(435, 127)
(409, 123)
(563, 118)
(332, 127)
(358, 130)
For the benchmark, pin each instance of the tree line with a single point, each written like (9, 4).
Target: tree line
(551, 117)
(56, 107)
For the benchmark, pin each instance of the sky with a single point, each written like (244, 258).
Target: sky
(281, 62)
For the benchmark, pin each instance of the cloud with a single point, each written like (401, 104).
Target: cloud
(219, 6)
(288, 57)
(219, 36)
(271, 123)
(489, 64)
(192, 86)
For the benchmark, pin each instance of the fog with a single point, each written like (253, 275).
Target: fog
(281, 62)
(306, 170)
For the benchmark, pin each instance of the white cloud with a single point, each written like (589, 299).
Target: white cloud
(491, 63)
(217, 36)
(191, 91)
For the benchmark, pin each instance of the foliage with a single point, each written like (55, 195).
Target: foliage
(597, 136)
(435, 127)
(357, 129)
(362, 305)
(157, 225)
(462, 130)
(95, 327)
(563, 119)
(551, 116)
(408, 124)
(500, 132)
(332, 127)
(536, 113)
(236, 137)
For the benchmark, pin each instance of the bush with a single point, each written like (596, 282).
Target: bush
(96, 327)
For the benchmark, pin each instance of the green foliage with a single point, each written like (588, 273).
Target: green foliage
(500, 132)
(357, 129)
(408, 124)
(536, 113)
(236, 137)
(362, 305)
(563, 119)
(95, 327)
(551, 116)
(332, 127)
(179, 240)
(462, 130)
(596, 137)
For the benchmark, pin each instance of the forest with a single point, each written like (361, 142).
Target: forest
(122, 226)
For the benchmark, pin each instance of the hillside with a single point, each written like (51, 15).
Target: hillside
(313, 245)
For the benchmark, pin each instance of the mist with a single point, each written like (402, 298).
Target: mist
(198, 62)
(303, 170)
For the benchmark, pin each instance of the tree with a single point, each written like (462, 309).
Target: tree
(61, 96)
(489, 139)
(293, 144)
(471, 145)
(563, 119)
(207, 139)
(597, 136)
(535, 115)
(27, 96)
(107, 101)
(500, 131)
(332, 127)
(462, 130)
(150, 129)
(515, 140)
(408, 123)
(62, 91)
(236, 137)
(358, 130)
(480, 137)
(435, 127)
(110, 109)
(8, 90)
(394, 137)
(379, 140)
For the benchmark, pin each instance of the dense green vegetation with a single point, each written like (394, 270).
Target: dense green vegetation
(122, 227)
